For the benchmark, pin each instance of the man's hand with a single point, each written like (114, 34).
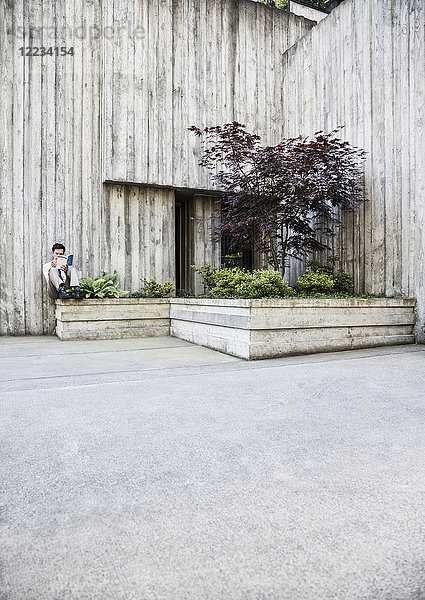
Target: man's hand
(53, 263)
(64, 268)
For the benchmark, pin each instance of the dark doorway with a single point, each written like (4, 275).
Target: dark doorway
(195, 240)
(180, 236)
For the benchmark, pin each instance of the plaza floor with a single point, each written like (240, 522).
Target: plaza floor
(153, 469)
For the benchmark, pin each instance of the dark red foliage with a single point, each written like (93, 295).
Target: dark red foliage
(277, 197)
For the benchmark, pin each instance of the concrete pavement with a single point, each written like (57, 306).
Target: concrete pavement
(157, 470)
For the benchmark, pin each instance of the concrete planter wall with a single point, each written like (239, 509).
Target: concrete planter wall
(112, 318)
(254, 329)
(249, 329)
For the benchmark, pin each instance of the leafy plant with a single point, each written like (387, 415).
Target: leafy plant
(278, 3)
(277, 197)
(182, 293)
(316, 282)
(343, 282)
(230, 282)
(313, 3)
(268, 284)
(232, 260)
(153, 289)
(234, 282)
(104, 285)
(207, 273)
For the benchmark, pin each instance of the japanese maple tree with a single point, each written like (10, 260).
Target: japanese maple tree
(277, 197)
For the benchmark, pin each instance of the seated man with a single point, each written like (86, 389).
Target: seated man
(59, 279)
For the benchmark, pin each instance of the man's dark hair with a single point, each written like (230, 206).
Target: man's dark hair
(58, 247)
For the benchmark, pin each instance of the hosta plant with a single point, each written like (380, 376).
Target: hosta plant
(104, 285)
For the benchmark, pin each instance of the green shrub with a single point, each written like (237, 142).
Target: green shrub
(238, 283)
(230, 282)
(267, 284)
(182, 293)
(343, 282)
(104, 285)
(207, 273)
(153, 289)
(315, 282)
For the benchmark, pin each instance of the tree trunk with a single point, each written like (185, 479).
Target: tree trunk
(274, 253)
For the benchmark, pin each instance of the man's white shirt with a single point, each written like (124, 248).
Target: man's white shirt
(46, 269)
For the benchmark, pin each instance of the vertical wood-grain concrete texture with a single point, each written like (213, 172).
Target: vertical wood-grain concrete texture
(142, 72)
(50, 176)
(363, 67)
(192, 62)
(139, 226)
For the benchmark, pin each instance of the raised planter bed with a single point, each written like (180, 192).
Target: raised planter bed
(249, 329)
(112, 318)
(254, 329)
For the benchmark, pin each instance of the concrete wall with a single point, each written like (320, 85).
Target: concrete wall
(364, 67)
(139, 231)
(50, 179)
(213, 62)
(142, 72)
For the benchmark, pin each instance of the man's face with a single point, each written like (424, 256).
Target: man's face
(57, 253)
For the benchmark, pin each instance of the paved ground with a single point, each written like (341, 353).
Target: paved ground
(157, 470)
